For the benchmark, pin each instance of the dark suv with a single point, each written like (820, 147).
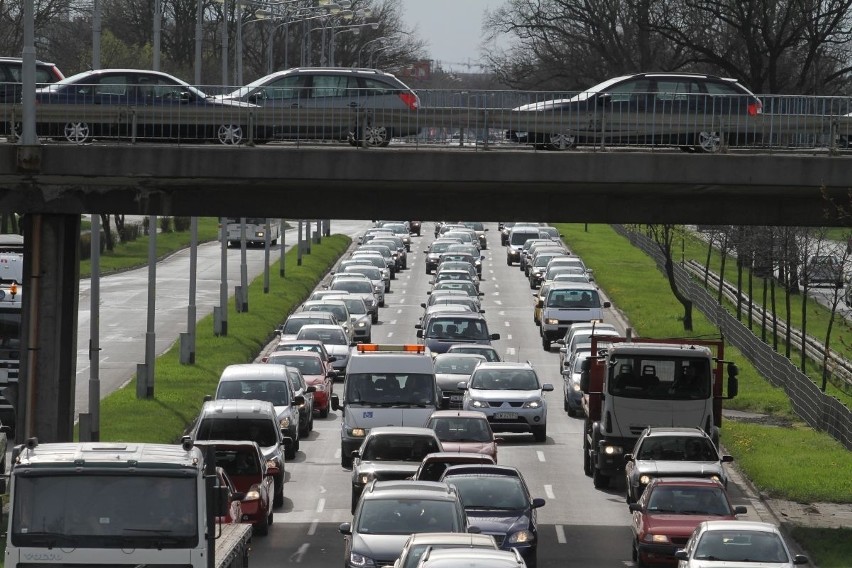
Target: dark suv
(11, 77)
(682, 109)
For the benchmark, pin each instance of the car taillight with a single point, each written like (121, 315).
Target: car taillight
(755, 108)
(411, 100)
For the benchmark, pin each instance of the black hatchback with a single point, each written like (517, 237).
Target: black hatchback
(679, 109)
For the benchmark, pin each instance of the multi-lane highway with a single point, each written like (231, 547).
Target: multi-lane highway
(579, 525)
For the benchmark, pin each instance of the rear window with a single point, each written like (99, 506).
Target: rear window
(275, 392)
(260, 430)
(519, 238)
(238, 462)
(307, 365)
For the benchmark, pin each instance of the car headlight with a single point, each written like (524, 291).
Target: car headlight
(576, 387)
(360, 560)
(551, 321)
(716, 478)
(252, 494)
(320, 387)
(537, 274)
(362, 324)
(656, 538)
(479, 404)
(521, 537)
(357, 432)
(284, 423)
(645, 479)
(613, 450)
(364, 478)
(378, 288)
(538, 403)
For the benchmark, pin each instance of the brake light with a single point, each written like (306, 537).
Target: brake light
(378, 347)
(755, 108)
(13, 289)
(411, 100)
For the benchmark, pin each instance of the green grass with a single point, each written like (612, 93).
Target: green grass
(134, 254)
(794, 462)
(179, 389)
(831, 548)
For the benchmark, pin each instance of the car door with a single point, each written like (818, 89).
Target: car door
(675, 110)
(339, 99)
(622, 110)
(162, 99)
(285, 95)
(109, 89)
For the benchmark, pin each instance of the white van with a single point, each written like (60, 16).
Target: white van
(386, 385)
(567, 304)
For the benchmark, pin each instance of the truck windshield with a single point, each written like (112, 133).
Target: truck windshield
(677, 378)
(105, 511)
(576, 299)
(390, 389)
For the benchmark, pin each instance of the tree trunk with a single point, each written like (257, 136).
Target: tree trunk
(684, 301)
(804, 346)
(774, 315)
(108, 238)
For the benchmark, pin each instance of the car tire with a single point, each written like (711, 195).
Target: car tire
(540, 433)
(290, 452)
(345, 462)
(508, 261)
(708, 142)
(323, 413)
(545, 343)
(532, 559)
(311, 422)
(560, 142)
(599, 480)
(566, 406)
(368, 339)
(262, 527)
(278, 500)
(587, 461)
(571, 412)
(374, 318)
(230, 134)
(382, 304)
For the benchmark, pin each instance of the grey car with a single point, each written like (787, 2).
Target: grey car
(672, 452)
(359, 105)
(359, 317)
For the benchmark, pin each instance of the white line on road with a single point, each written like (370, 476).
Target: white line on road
(508, 324)
(560, 534)
(498, 302)
(508, 337)
(393, 322)
(390, 333)
(540, 455)
(312, 530)
(509, 351)
(548, 490)
(501, 313)
(399, 311)
(321, 502)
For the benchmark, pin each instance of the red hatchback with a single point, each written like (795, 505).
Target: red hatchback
(668, 512)
(315, 373)
(251, 475)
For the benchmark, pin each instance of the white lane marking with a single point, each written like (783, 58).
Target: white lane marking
(548, 490)
(393, 322)
(497, 294)
(540, 455)
(501, 313)
(399, 311)
(508, 337)
(509, 351)
(496, 285)
(321, 502)
(312, 530)
(498, 302)
(390, 333)
(560, 534)
(337, 454)
(508, 324)
(297, 556)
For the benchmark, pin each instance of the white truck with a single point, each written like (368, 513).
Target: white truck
(629, 384)
(119, 504)
(386, 385)
(11, 301)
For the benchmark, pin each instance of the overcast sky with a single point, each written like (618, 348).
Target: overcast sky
(452, 29)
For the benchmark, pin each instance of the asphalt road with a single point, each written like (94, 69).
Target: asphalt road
(578, 526)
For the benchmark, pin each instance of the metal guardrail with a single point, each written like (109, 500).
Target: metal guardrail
(817, 409)
(814, 349)
(490, 119)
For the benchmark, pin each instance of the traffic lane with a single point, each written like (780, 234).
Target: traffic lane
(123, 307)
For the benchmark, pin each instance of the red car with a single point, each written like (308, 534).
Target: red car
(668, 512)
(252, 476)
(314, 371)
(233, 511)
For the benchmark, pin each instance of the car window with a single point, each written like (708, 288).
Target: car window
(354, 286)
(674, 448)
(112, 85)
(741, 546)
(306, 365)
(406, 516)
(291, 87)
(458, 429)
(238, 462)
(377, 87)
(715, 88)
(490, 492)
(399, 448)
(258, 430)
(333, 86)
(328, 336)
(275, 392)
(675, 90)
(504, 379)
(635, 90)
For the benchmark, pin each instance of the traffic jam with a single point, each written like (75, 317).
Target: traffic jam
(430, 420)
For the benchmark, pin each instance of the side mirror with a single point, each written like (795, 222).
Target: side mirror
(495, 336)
(681, 554)
(537, 502)
(635, 507)
(420, 333)
(727, 459)
(740, 510)
(331, 374)
(547, 387)
(560, 341)
(423, 305)
(606, 304)
(482, 311)
(482, 293)
(462, 385)
(272, 469)
(418, 326)
(311, 389)
(628, 458)
(799, 559)
(298, 400)
(345, 528)
(332, 359)
(286, 441)
(208, 397)
(335, 402)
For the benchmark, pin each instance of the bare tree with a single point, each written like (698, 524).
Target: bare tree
(664, 236)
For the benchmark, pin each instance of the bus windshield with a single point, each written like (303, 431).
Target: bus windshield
(676, 378)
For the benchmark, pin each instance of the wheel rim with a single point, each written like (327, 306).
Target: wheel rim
(709, 141)
(376, 135)
(562, 141)
(230, 134)
(77, 132)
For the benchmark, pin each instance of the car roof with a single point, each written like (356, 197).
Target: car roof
(410, 488)
(238, 406)
(401, 430)
(445, 355)
(253, 371)
(293, 353)
(686, 481)
(450, 538)
(459, 413)
(460, 457)
(483, 469)
(573, 286)
(460, 315)
(506, 365)
(740, 525)
(670, 431)
(476, 557)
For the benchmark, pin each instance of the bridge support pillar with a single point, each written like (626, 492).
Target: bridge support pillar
(49, 327)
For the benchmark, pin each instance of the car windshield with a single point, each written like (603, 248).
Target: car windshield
(461, 429)
(689, 500)
(306, 365)
(311, 347)
(465, 285)
(354, 286)
(338, 311)
(293, 325)
(390, 389)
(741, 546)
(275, 392)
(490, 492)
(573, 299)
(457, 328)
(439, 247)
(405, 516)
(355, 305)
(455, 365)
(258, 430)
(504, 379)
(370, 272)
(398, 448)
(660, 379)
(677, 448)
(489, 354)
(329, 336)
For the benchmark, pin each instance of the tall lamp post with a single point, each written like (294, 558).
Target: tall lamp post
(365, 44)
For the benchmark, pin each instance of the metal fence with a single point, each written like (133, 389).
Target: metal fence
(443, 118)
(817, 409)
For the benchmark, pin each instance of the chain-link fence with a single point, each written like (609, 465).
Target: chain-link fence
(816, 408)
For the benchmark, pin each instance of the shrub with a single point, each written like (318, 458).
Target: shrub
(165, 224)
(182, 224)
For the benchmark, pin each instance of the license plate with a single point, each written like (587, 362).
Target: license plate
(505, 415)
(456, 397)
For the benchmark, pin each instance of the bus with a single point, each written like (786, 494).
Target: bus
(255, 230)
(11, 296)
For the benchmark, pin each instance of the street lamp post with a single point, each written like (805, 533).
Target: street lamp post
(383, 38)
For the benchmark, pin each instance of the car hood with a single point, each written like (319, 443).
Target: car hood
(679, 525)
(487, 448)
(313, 380)
(441, 345)
(285, 412)
(506, 394)
(379, 547)
(498, 522)
(450, 381)
(660, 468)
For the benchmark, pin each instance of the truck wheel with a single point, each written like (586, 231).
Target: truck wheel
(566, 406)
(262, 527)
(323, 413)
(587, 460)
(600, 480)
(508, 261)
(374, 318)
(571, 412)
(545, 343)
(346, 462)
(291, 451)
(540, 433)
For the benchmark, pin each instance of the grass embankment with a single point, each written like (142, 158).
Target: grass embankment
(134, 254)
(795, 462)
(179, 389)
